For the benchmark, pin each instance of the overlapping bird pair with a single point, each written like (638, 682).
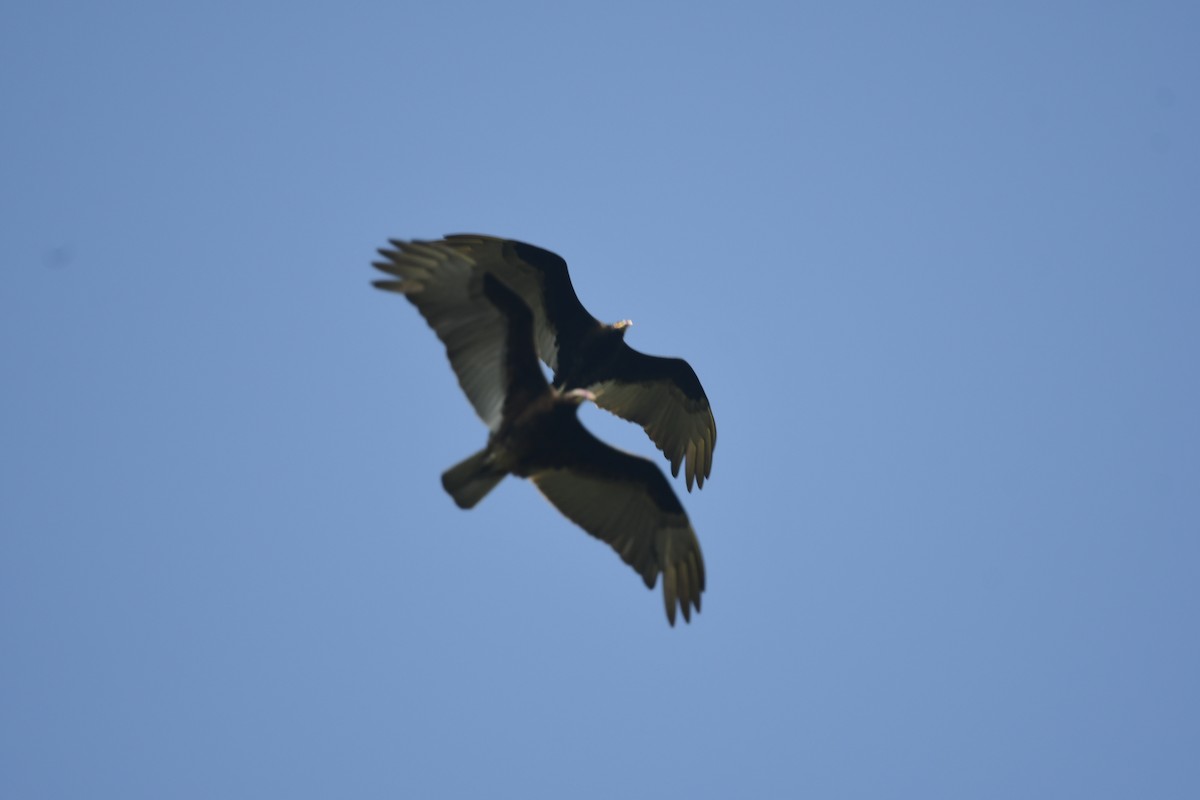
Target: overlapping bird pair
(498, 304)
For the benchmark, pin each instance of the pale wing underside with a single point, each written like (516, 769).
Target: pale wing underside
(524, 279)
(649, 539)
(684, 429)
(446, 288)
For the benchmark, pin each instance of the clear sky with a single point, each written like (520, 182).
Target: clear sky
(936, 264)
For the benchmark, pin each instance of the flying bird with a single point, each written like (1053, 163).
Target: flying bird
(534, 430)
(663, 395)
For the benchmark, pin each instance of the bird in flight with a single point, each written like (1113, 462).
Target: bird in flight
(534, 431)
(663, 395)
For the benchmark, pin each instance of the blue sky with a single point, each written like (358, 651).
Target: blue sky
(937, 266)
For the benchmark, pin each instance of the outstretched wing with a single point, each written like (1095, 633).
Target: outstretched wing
(665, 397)
(448, 290)
(625, 501)
(540, 277)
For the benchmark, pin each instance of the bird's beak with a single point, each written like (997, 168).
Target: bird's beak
(580, 395)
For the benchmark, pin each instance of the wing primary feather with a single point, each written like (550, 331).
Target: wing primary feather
(669, 593)
(400, 287)
(685, 591)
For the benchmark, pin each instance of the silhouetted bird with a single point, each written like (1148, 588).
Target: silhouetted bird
(535, 433)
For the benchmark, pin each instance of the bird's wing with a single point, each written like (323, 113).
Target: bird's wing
(523, 378)
(540, 277)
(665, 397)
(625, 500)
(448, 290)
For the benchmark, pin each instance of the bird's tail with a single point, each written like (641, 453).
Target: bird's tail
(471, 479)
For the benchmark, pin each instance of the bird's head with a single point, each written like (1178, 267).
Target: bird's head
(622, 326)
(578, 396)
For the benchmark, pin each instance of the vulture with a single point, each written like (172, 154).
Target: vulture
(663, 395)
(534, 429)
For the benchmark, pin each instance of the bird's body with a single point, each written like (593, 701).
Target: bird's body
(534, 428)
(525, 443)
(590, 361)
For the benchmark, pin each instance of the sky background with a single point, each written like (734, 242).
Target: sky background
(936, 264)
